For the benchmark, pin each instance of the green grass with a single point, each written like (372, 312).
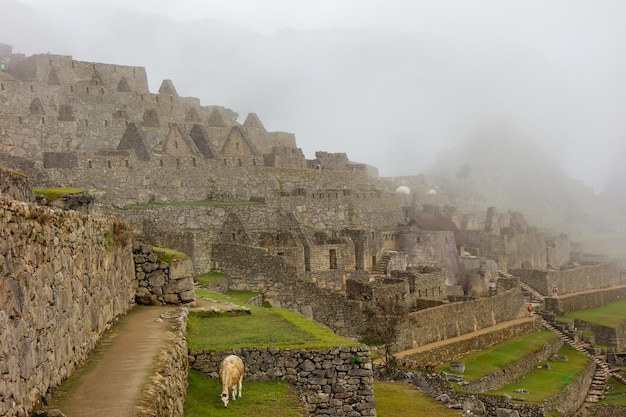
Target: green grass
(611, 315)
(258, 399)
(401, 399)
(493, 359)
(54, 193)
(241, 296)
(544, 383)
(617, 395)
(209, 277)
(265, 327)
(168, 255)
(197, 203)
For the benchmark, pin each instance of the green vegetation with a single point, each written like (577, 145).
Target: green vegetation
(264, 327)
(493, 359)
(611, 315)
(209, 277)
(55, 193)
(167, 254)
(197, 203)
(241, 296)
(400, 399)
(263, 398)
(617, 395)
(544, 383)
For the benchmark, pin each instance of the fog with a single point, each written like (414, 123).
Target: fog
(391, 83)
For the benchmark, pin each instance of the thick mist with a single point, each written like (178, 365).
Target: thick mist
(392, 84)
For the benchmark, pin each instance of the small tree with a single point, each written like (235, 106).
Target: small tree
(381, 329)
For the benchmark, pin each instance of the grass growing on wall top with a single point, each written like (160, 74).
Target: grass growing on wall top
(611, 315)
(486, 361)
(167, 254)
(54, 193)
(156, 204)
(265, 327)
(258, 399)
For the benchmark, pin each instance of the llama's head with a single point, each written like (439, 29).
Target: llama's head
(225, 398)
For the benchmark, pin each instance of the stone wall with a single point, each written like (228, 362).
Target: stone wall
(333, 382)
(282, 285)
(583, 278)
(454, 319)
(15, 185)
(605, 410)
(457, 349)
(569, 399)
(160, 282)
(585, 300)
(65, 278)
(164, 395)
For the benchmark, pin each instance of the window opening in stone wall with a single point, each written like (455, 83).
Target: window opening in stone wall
(224, 161)
(440, 290)
(106, 123)
(419, 293)
(43, 120)
(237, 146)
(234, 236)
(89, 164)
(31, 88)
(87, 90)
(19, 119)
(156, 98)
(333, 258)
(2, 86)
(193, 161)
(426, 292)
(176, 144)
(126, 163)
(446, 239)
(86, 122)
(160, 162)
(102, 91)
(142, 97)
(177, 162)
(239, 162)
(280, 253)
(109, 164)
(71, 88)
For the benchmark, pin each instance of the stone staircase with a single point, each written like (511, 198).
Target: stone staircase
(603, 369)
(381, 268)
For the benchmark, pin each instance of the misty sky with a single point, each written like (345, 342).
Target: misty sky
(391, 83)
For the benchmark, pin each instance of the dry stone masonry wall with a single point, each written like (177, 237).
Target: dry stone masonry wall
(160, 282)
(333, 382)
(65, 278)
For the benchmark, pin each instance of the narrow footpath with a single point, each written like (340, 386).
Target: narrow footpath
(111, 382)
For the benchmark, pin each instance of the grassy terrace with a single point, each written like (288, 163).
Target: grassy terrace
(544, 383)
(610, 315)
(263, 328)
(541, 383)
(493, 359)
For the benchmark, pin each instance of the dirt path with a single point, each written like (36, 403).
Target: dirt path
(111, 381)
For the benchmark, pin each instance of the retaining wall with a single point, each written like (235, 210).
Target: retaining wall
(458, 318)
(585, 300)
(335, 381)
(65, 278)
(454, 350)
(165, 394)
